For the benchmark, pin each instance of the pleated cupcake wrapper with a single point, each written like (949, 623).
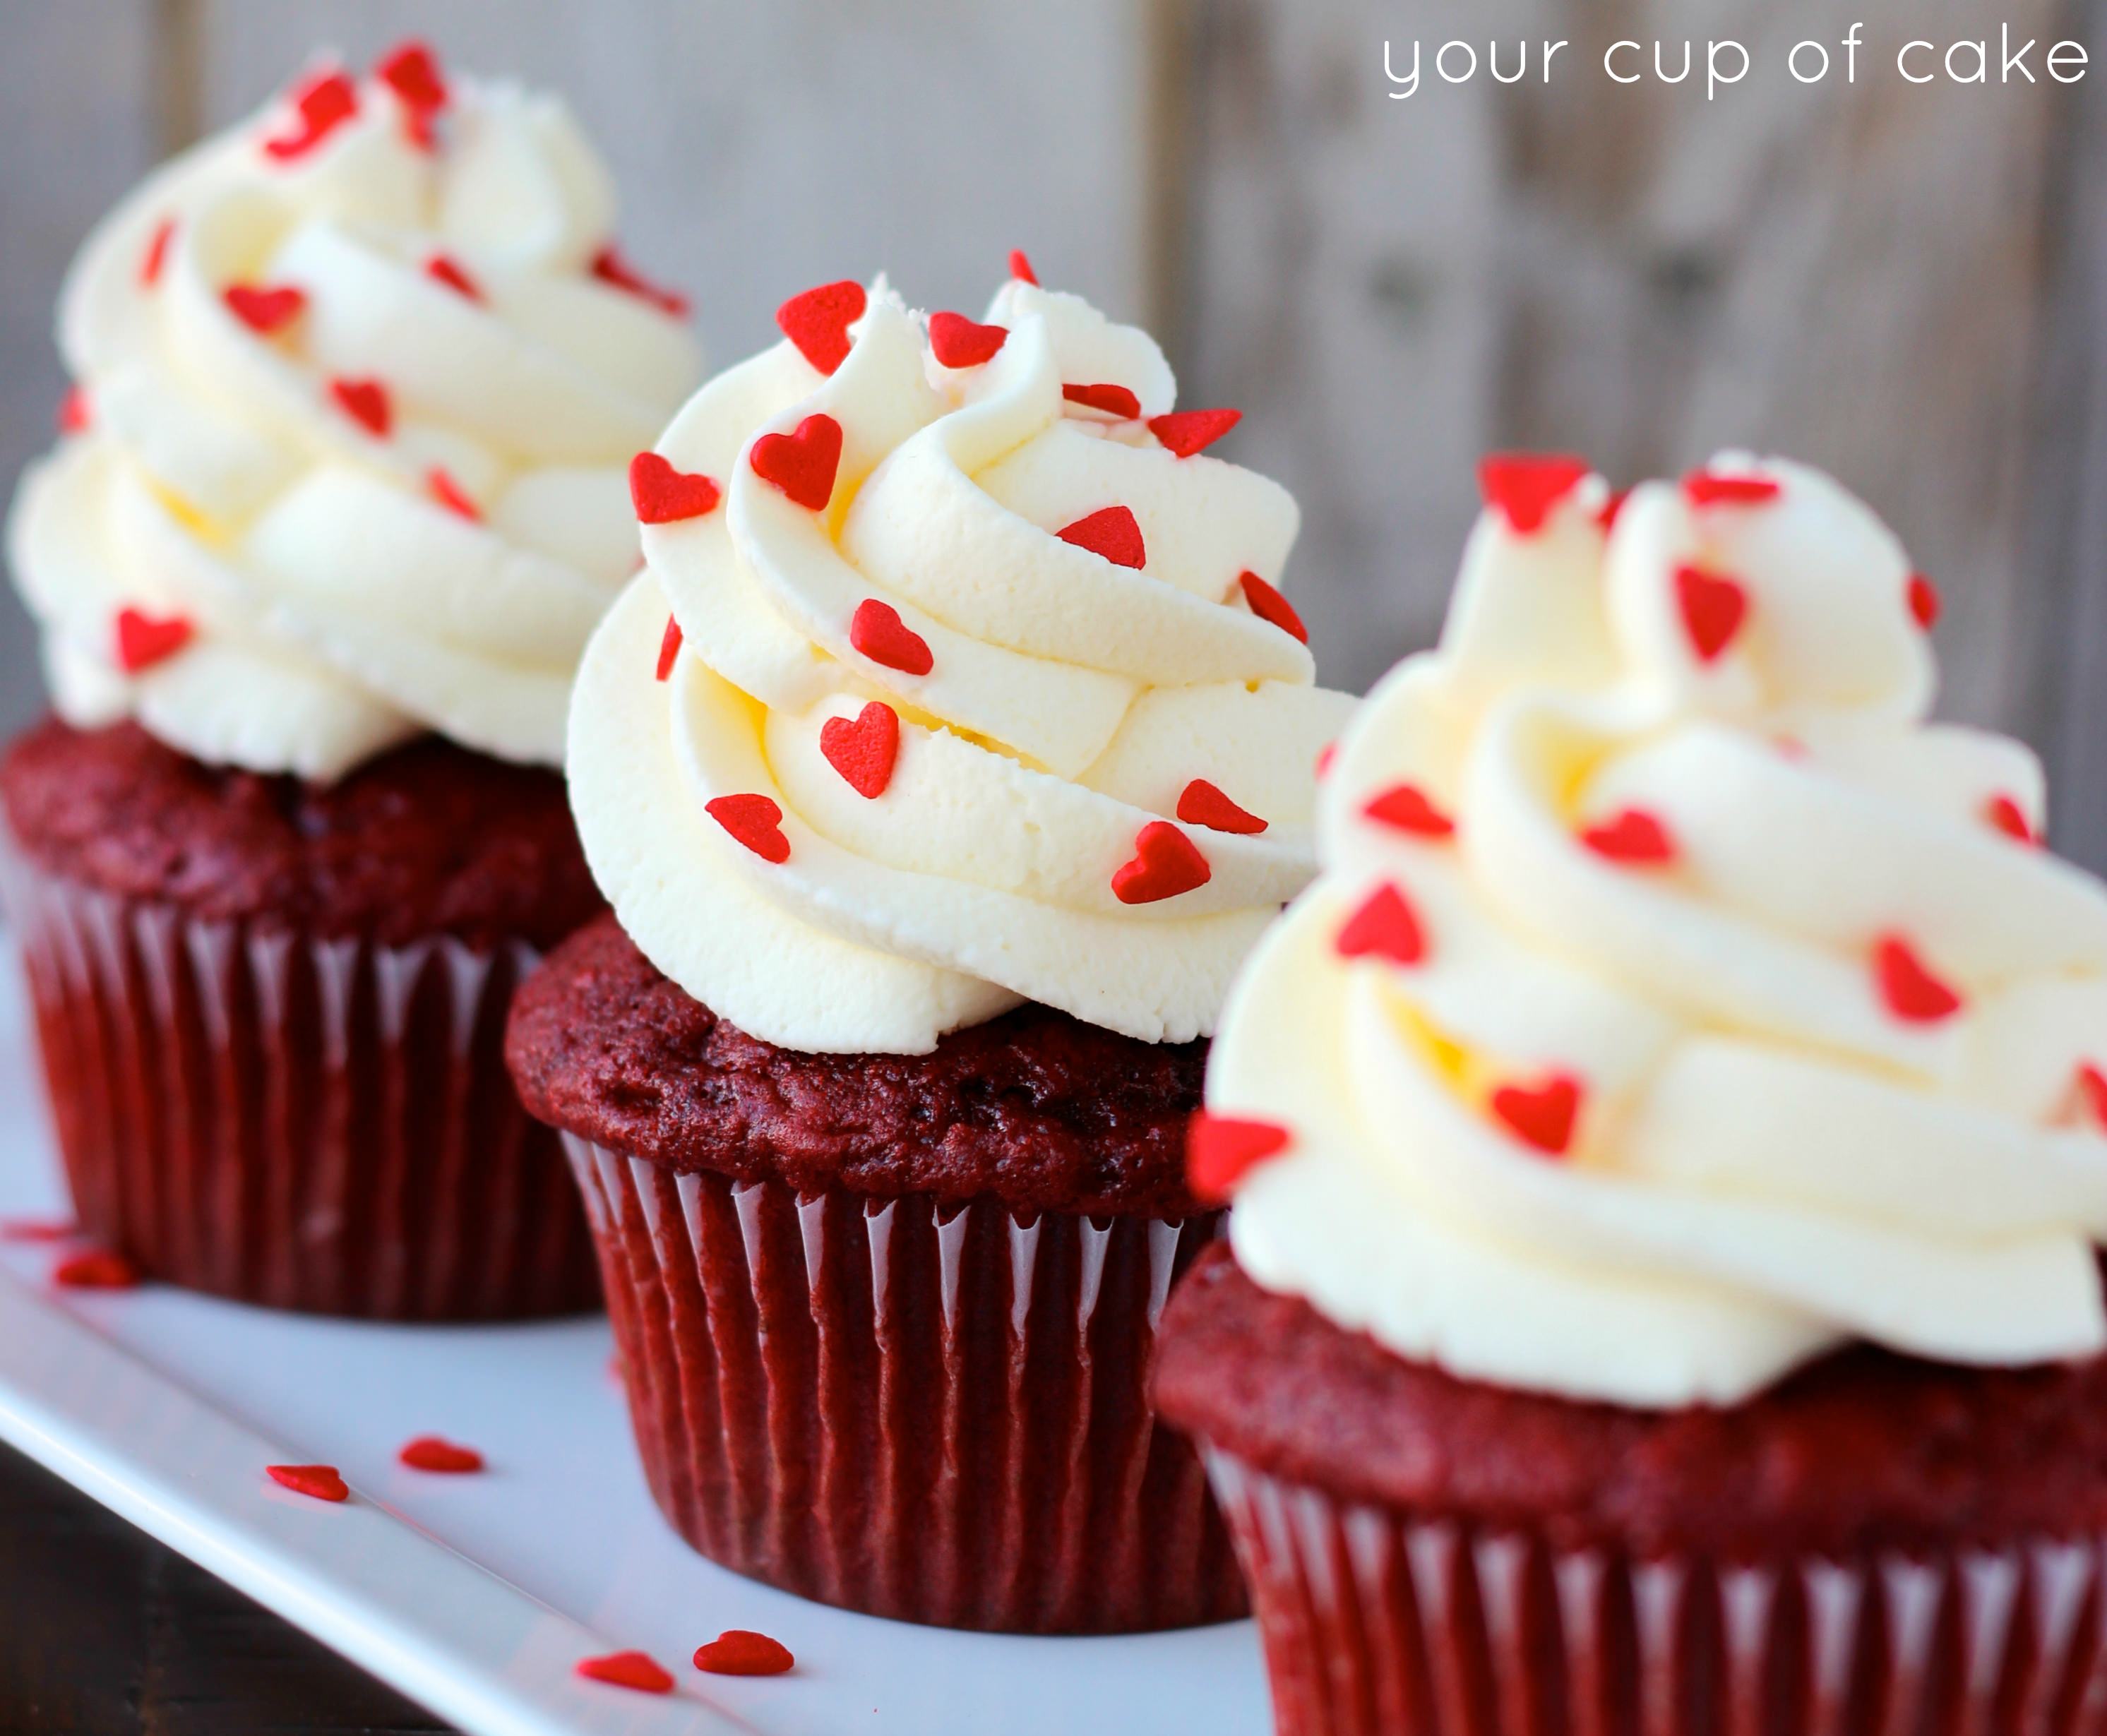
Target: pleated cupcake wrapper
(936, 1415)
(1374, 1621)
(325, 1125)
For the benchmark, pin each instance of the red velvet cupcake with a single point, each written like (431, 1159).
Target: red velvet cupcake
(977, 754)
(1877, 1542)
(884, 1318)
(1668, 1145)
(339, 500)
(272, 1015)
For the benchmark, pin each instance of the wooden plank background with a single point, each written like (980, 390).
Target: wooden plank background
(1907, 285)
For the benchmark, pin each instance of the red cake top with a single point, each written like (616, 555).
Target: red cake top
(1863, 1449)
(1036, 1108)
(429, 839)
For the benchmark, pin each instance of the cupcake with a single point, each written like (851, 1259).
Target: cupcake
(339, 500)
(1666, 1144)
(952, 752)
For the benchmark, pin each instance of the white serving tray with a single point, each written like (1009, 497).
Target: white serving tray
(477, 1595)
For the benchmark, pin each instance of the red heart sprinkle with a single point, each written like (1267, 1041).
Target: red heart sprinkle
(669, 647)
(664, 495)
(877, 631)
(1201, 803)
(318, 1482)
(157, 252)
(449, 272)
(1166, 863)
(265, 310)
(755, 821)
(2007, 816)
(1185, 431)
(450, 494)
(609, 267)
(412, 70)
(863, 751)
(1112, 531)
(818, 321)
(631, 1670)
(1704, 488)
(1923, 601)
(2092, 1087)
(1385, 926)
(144, 640)
(1220, 1150)
(430, 1452)
(1114, 400)
(801, 465)
(1020, 267)
(1541, 1115)
(365, 401)
(1270, 606)
(1633, 837)
(1611, 508)
(75, 412)
(739, 1651)
(958, 342)
(37, 1230)
(1525, 486)
(1908, 987)
(323, 103)
(96, 1270)
(1404, 807)
(1327, 756)
(1713, 610)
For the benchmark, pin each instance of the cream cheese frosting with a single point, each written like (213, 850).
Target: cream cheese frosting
(356, 383)
(1676, 1002)
(974, 685)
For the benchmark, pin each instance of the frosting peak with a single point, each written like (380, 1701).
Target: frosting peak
(1741, 1014)
(357, 380)
(955, 654)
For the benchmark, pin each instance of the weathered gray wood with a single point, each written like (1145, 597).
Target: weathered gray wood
(1342, 248)
(82, 108)
(764, 148)
(2061, 630)
(1849, 273)
(1907, 285)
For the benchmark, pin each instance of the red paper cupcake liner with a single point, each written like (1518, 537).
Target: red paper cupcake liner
(323, 1125)
(1378, 1621)
(940, 1416)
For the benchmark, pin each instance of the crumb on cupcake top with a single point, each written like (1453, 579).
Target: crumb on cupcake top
(429, 839)
(1035, 1108)
(1861, 1450)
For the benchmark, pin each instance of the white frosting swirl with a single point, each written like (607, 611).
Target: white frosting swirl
(1068, 704)
(1826, 1025)
(429, 549)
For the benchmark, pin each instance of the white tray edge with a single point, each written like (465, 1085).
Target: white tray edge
(205, 1494)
